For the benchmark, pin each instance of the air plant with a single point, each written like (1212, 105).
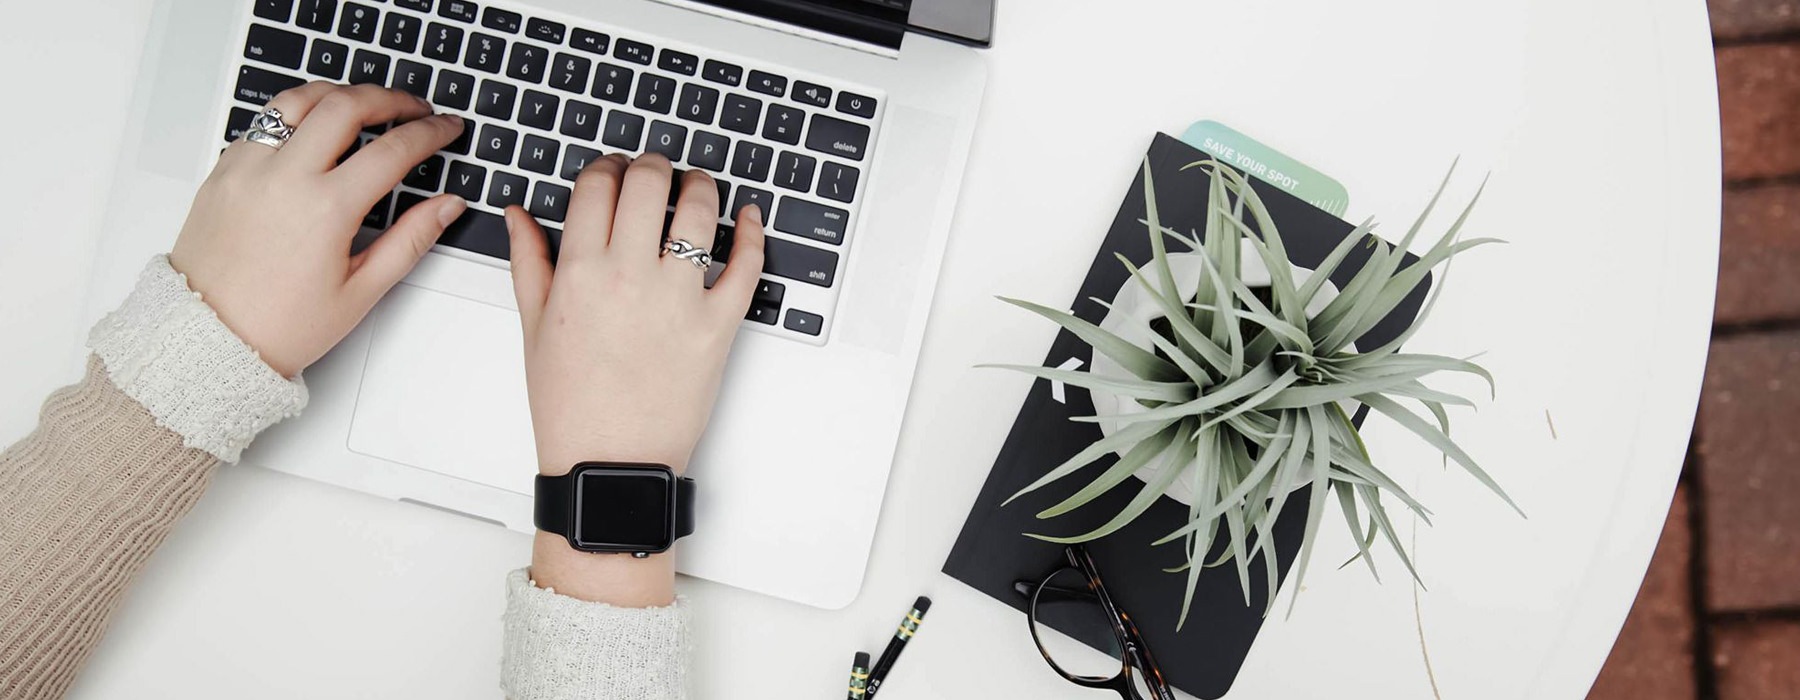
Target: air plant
(1246, 395)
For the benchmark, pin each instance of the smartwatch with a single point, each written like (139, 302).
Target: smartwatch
(617, 508)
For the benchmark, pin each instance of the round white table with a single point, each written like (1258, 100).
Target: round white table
(1597, 122)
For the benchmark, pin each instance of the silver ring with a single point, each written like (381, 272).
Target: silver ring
(686, 251)
(268, 129)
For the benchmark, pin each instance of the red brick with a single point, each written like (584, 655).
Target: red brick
(1749, 448)
(1757, 660)
(1654, 657)
(1736, 19)
(1759, 255)
(1759, 109)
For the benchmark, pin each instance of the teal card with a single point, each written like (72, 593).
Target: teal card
(1269, 165)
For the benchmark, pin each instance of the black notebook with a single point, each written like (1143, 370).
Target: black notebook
(992, 553)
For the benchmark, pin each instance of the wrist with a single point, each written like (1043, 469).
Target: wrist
(557, 461)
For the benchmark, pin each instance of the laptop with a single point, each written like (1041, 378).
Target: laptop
(847, 121)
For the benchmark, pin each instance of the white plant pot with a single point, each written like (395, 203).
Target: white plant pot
(1132, 311)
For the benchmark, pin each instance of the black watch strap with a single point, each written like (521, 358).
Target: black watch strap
(554, 510)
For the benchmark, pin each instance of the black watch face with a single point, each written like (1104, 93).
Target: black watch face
(625, 509)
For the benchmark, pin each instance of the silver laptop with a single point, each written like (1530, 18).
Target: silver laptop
(847, 121)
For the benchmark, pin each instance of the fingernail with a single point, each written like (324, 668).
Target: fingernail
(755, 213)
(448, 212)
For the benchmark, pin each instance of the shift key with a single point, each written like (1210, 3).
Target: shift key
(809, 220)
(799, 262)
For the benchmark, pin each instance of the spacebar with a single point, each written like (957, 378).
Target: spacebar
(478, 232)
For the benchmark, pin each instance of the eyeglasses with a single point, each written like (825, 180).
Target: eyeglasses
(1073, 600)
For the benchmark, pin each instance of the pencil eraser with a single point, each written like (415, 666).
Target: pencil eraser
(922, 604)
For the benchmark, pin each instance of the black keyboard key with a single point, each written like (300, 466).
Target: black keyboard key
(808, 93)
(677, 62)
(413, 77)
(804, 322)
(527, 63)
(465, 140)
(837, 137)
(475, 231)
(750, 196)
(316, 14)
(837, 182)
(538, 154)
(378, 214)
(795, 261)
(752, 161)
(549, 201)
(570, 73)
(768, 292)
(808, 220)
(767, 83)
(506, 189)
(624, 130)
(794, 171)
(783, 124)
(740, 114)
(368, 67)
(327, 59)
(581, 120)
(501, 20)
(710, 151)
(655, 93)
(486, 52)
(275, 46)
(359, 22)
(761, 312)
(634, 51)
(538, 110)
(454, 90)
(466, 180)
(545, 30)
(856, 105)
(722, 72)
(237, 122)
(258, 86)
(443, 42)
(400, 32)
(496, 99)
(428, 176)
(496, 144)
(591, 42)
(414, 5)
(278, 10)
(698, 103)
(460, 10)
(724, 189)
(667, 139)
(575, 159)
(612, 83)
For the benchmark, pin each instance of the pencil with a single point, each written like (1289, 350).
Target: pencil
(859, 676)
(908, 627)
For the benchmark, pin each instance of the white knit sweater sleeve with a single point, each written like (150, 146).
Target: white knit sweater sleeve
(560, 648)
(166, 349)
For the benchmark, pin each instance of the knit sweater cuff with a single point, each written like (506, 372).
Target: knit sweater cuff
(166, 349)
(560, 648)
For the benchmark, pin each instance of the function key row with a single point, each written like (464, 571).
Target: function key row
(360, 22)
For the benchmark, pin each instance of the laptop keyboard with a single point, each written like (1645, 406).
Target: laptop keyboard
(541, 97)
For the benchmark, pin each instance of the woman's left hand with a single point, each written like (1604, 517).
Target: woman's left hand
(267, 241)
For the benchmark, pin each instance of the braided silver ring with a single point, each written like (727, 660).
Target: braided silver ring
(268, 129)
(680, 248)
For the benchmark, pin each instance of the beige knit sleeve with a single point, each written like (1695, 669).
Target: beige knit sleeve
(115, 461)
(84, 500)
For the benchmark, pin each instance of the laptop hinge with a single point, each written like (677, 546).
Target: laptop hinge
(879, 24)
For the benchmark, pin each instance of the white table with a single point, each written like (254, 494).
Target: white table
(1597, 120)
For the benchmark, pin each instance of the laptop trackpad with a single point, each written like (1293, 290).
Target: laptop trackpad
(444, 390)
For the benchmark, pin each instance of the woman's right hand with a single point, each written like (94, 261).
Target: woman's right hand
(624, 346)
